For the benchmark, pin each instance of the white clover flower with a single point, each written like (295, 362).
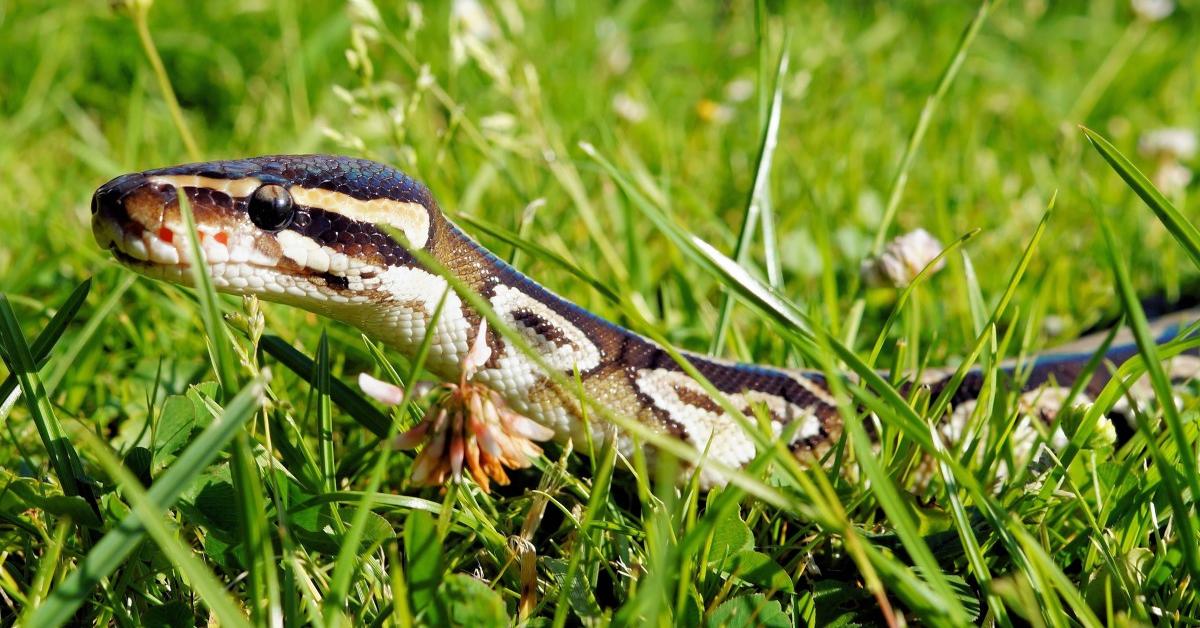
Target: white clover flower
(739, 90)
(474, 19)
(902, 259)
(1152, 10)
(1172, 177)
(628, 107)
(1168, 143)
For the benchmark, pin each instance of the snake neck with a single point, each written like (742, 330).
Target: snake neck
(625, 372)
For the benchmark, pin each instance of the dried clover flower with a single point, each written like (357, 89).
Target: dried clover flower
(468, 425)
(903, 259)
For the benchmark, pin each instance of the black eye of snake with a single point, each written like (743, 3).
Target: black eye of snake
(271, 207)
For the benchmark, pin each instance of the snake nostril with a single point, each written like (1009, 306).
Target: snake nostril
(107, 200)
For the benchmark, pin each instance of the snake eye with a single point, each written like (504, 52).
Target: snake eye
(270, 207)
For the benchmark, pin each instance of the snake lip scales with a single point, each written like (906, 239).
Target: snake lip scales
(305, 230)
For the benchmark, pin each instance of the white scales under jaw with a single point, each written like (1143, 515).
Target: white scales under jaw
(238, 264)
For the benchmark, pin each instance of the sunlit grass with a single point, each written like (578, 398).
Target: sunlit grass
(705, 175)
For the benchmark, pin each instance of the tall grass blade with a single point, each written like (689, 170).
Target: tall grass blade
(41, 346)
(1161, 383)
(210, 312)
(348, 556)
(18, 357)
(324, 415)
(1176, 223)
(112, 550)
(541, 252)
(597, 501)
(262, 585)
(758, 202)
(76, 348)
(888, 495)
(900, 180)
(1050, 573)
(165, 535)
(141, 20)
(345, 397)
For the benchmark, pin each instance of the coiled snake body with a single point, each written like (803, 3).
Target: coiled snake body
(305, 230)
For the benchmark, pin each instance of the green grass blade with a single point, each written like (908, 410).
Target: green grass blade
(888, 496)
(324, 415)
(345, 397)
(1186, 457)
(348, 555)
(1184, 232)
(908, 291)
(262, 587)
(699, 251)
(597, 501)
(758, 202)
(18, 357)
(140, 11)
(79, 344)
(210, 311)
(1050, 573)
(942, 403)
(403, 503)
(112, 550)
(900, 180)
(165, 535)
(42, 345)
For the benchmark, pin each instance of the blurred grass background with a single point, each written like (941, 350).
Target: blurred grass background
(669, 87)
(487, 102)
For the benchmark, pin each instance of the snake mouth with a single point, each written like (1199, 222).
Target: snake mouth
(139, 220)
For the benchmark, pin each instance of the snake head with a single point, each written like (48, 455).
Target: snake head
(303, 229)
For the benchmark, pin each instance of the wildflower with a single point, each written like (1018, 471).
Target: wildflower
(365, 11)
(714, 112)
(468, 425)
(1172, 177)
(1168, 147)
(1169, 143)
(471, 29)
(739, 90)
(629, 107)
(1152, 10)
(903, 259)
(473, 19)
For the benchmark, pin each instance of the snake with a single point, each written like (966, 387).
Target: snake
(322, 233)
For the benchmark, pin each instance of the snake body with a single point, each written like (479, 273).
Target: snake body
(306, 230)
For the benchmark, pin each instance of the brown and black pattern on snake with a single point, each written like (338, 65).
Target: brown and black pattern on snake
(622, 351)
(339, 205)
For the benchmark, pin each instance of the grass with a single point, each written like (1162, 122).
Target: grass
(709, 174)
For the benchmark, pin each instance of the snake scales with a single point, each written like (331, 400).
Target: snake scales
(306, 230)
